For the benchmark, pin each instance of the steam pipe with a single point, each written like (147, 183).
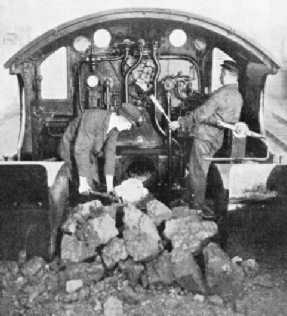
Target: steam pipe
(106, 97)
(79, 83)
(162, 132)
(112, 59)
(127, 51)
(169, 142)
(117, 74)
(107, 84)
(141, 44)
(157, 66)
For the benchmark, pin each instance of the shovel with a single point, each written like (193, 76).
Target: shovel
(104, 195)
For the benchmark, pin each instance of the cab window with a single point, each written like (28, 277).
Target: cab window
(54, 73)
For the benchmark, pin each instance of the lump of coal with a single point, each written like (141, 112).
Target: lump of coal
(140, 235)
(113, 307)
(75, 250)
(132, 270)
(131, 190)
(189, 235)
(223, 276)
(250, 267)
(158, 212)
(160, 270)
(114, 252)
(88, 272)
(33, 266)
(186, 271)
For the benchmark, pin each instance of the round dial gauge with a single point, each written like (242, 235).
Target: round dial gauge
(92, 81)
(102, 38)
(177, 38)
(81, 43)
(199, 44)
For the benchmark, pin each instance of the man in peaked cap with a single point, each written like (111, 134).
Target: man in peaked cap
(93, 135)
(223, 105)
(231, 66)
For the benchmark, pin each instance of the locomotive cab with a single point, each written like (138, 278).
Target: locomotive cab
(105, 59)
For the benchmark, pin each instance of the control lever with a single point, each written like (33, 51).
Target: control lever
(140, 83)
(241, 130)
(159, 107)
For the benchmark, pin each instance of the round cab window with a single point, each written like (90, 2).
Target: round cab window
(81, 43)
(102, 38)
(177, 38)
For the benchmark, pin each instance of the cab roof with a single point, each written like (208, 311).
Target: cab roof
(214, 32)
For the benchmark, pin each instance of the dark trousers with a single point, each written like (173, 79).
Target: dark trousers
(198, 170)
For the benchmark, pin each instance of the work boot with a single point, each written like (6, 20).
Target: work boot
(207, 213)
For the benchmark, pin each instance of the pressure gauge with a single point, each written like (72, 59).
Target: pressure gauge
(81, 43)
(93, 81)
(102, 38)
(168, 84)
(199, 44)
(177, 38)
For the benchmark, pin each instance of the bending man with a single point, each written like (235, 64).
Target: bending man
(93, 135)
(223, 105)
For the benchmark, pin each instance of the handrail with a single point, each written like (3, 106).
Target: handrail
(22, 123)
(244, 158)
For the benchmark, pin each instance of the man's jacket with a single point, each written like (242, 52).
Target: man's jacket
(223, 105)
(86, 138)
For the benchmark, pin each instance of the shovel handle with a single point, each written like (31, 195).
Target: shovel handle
(104, 195)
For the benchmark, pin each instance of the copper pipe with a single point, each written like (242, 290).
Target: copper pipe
(141, 44)
(127, 51)
(169, 142)
(157, 66)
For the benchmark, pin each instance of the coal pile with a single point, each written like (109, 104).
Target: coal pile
(116, 256)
